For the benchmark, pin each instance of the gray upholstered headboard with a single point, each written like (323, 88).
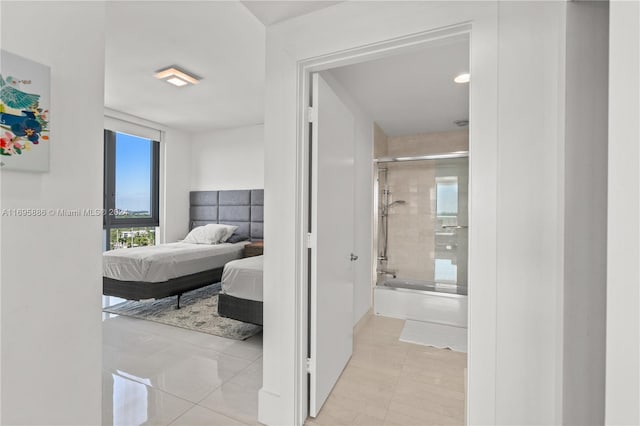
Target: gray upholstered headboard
(242, 208)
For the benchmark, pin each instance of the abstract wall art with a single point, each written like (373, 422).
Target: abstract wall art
(24, 114)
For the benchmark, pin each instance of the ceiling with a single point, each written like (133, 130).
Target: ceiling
(415, 92)
(219, 41)
(272, 12)
(224, 42)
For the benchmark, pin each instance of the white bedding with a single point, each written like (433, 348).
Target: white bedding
(166, 261)
(242, 278)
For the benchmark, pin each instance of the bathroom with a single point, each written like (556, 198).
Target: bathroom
(394, 301)
(421, 195)
(419, 163)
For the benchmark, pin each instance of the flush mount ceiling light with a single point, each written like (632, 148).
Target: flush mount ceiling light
(462, 78)
(177, 76)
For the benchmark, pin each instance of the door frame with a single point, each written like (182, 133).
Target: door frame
(305, 68)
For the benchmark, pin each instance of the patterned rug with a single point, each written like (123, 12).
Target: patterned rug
(198, 311)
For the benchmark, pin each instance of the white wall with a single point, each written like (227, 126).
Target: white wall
(228, 159)
(517, 195)
(529, 213)
(356, 24)
(174, 214)
(363, 200)
(623, 270)
(585, 226)
(51, 266)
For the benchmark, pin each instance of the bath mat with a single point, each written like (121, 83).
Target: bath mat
(198, 312)
(436, 335)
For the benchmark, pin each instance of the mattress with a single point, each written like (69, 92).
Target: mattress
(242, 278)
(167, 261)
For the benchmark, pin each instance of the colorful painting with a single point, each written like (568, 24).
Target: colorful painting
(24, 114)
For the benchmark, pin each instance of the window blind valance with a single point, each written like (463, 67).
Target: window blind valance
(130, 125)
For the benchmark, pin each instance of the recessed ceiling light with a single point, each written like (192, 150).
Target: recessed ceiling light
(177, 76)
(462, 78)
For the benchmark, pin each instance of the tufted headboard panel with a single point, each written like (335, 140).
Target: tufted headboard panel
(242, 208)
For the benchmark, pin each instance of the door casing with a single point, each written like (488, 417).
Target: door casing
(305, 69)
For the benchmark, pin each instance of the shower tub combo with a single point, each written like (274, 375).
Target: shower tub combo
(423, 234)
(420, 301)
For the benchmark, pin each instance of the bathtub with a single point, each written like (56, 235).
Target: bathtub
(421, 301)
(412, 284)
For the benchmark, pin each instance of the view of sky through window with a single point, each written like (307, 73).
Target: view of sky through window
(447, 197)
(133, 174)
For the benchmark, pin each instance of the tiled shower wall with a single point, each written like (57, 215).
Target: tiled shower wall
(428, 143)
(411, 241)
(411, 233)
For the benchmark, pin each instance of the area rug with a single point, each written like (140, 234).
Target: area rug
(198, 311)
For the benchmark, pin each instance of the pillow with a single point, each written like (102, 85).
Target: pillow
(236, 238)
(210, 234)
(230, 231)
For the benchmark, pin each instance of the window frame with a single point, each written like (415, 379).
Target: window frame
(111, 221)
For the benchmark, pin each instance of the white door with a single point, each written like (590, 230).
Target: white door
(331, 331)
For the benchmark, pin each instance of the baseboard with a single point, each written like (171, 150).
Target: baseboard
(269, 412)
(466, 394)
(362, 321)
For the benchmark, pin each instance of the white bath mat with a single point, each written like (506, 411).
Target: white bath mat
(436, 335)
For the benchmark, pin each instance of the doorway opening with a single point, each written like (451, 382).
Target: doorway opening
(387, 155)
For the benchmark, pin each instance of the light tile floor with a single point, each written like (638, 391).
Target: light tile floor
(156, 374)
(389, 382)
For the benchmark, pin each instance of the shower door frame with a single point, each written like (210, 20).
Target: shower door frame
(377, 217)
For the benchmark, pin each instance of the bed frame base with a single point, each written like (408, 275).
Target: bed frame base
(140, 290)
(240, 309)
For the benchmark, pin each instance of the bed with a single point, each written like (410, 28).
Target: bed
(241, 294)
(172, 269)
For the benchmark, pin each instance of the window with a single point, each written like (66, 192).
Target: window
(131, 181)
(446, 239)
(447, 196)
(131, 237)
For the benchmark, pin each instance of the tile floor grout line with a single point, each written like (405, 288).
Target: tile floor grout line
(180, 415)
(212, 410)
(226, 381)
(226, 415)
(404, 360)
(153, 330)
(247, 355)
(140, 379)
(154, 388)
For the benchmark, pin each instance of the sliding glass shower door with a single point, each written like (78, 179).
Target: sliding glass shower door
(451, 236)
(423, 223)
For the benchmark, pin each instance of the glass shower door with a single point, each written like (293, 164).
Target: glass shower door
(451, 227)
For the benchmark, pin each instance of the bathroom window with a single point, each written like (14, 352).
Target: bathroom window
(446, 241)
(445, 271)
(447, 196)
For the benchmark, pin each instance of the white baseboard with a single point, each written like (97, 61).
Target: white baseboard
(269, 412)
(362, 321)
